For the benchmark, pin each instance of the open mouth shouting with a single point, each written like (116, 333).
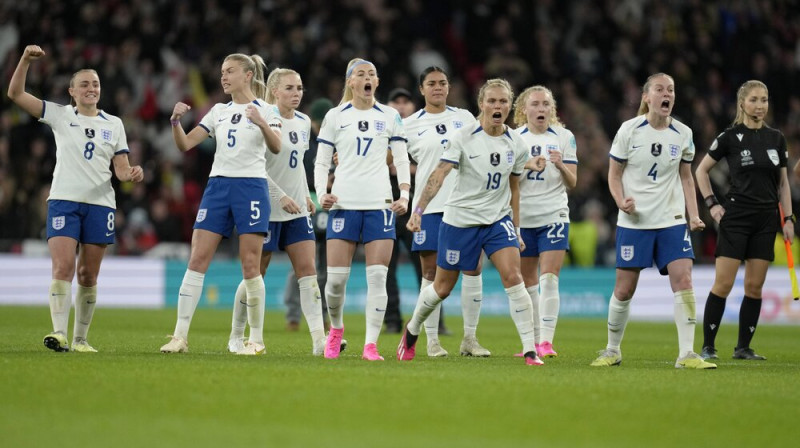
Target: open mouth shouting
(666, 106)
(368, 88)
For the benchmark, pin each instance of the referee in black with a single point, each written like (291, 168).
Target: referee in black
(749, 218)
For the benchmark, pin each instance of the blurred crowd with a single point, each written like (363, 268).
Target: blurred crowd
(593, 54)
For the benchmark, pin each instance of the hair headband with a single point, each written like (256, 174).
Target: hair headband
(356, 64)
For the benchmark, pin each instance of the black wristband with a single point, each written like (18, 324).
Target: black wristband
(791, 218)
(711, 201)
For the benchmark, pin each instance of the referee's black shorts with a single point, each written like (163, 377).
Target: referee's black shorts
(746, 233)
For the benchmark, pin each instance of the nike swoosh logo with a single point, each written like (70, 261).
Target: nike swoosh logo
(521, 310)
(380, 310)
(56, 295)
(687, 249)
(254, 223)
(221, 120)
(422, 132)
(555, 241)
(109, 233)
(93, 301)
(344, 126)
(637, 146)
(388, 230)
(310, 231)
(472, 157)
(184, 295)
(477, 300)
(73, 125)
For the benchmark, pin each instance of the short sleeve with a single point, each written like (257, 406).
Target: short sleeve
(783, 150)
(570, 147)
(453, 151)
(208, 122)
(619, 148)
(688, 148)
(122, 142)
(53, 113)
(718, 149)
(522, 157)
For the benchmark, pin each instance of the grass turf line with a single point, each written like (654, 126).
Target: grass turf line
(131, 395)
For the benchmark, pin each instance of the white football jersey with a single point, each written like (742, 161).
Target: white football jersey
(241, 149)
(427, 136)
(543, 195)
(652, 159)
(84, 149)
(362, 139)
(286, 168)
(482, 195)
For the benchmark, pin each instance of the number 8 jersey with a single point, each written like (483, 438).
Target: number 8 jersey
(362, 140)
(84, 149)
(651, 175)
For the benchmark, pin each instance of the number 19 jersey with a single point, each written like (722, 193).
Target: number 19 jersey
(482, 195)
(651, 176)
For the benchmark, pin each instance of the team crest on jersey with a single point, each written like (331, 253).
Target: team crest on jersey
(674, 150)
(441, 129)
(380, 125)
(458, 124)
(337, 225)
(494, 158)
(773, 156)
(552, 148)
(58, 222)
(89, 132)
(655, 149)
(626, 252)
(363, 125)
(293, 137)
(419, 237)
(510, 157)
(106, 134)
(536, 150)
(747, 157)
(236, 118)
(452, 257)
(268, 237)
(201, 214)
(304, 136)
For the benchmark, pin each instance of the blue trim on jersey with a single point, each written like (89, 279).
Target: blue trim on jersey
(480, 128)
(395, 138)
(507, 134)
(347, 106)
(645, 123)
(449, 161)
(525, 131)
(673, 128)
(230, 103)
(617, 159)
(450, 108)
(421, 113)
(255, 101)
(299, 116)
(375, 106)
(549, 129)
(102, 116)
(572, 162)
(44, 106)
(126, 150)
(204, 127)
(319, 140)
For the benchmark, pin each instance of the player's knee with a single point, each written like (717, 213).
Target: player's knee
(86, 277)
(337, 280)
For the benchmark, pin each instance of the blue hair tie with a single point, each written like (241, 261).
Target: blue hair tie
(356, 64)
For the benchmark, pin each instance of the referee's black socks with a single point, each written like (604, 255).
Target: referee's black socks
(712, 316)
(748, 320)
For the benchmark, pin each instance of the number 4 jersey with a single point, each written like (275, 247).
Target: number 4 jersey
(84, 149)
(652, 159)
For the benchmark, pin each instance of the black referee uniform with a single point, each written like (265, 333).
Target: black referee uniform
(751, 220)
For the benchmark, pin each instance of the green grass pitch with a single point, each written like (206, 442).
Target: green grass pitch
(130, 395)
